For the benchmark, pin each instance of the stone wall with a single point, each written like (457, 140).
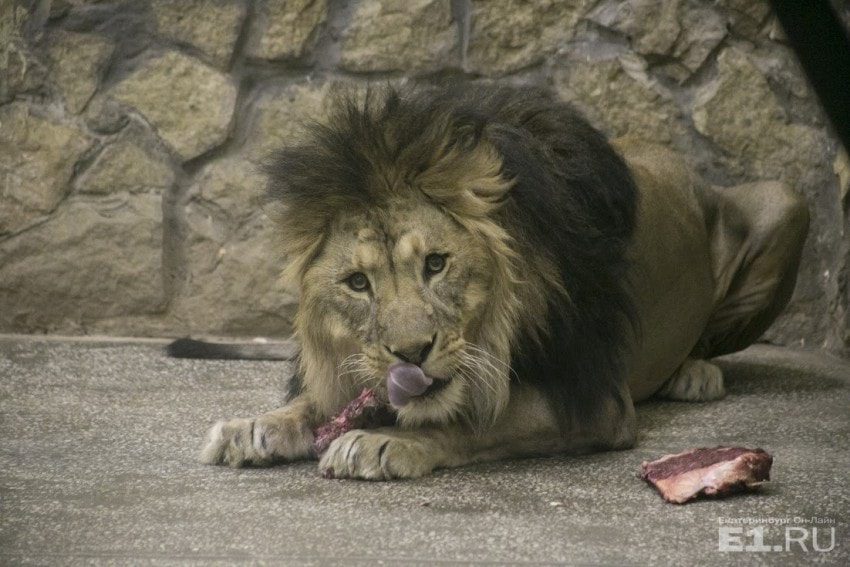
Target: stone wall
(130, 134)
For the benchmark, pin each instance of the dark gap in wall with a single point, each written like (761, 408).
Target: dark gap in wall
(176, 199)
(462, 14)
(174, 256)
(39, 14)
(326, 48)
(370, 76)
(245, 85)
(127, 24)
(438, 76)
(705, 72)
(85, 160)
(237, 57)
(597, 41)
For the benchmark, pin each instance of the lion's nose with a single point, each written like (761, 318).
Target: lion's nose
(415, 353)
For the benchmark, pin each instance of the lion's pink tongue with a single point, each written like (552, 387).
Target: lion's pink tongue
(406, 381)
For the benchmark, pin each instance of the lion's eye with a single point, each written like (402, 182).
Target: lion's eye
(434, 264)
(358, 281)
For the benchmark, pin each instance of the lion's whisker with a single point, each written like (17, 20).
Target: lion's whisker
(482, 376)
(355, 366)
(475, 348)
(464, 371)
(485, 365)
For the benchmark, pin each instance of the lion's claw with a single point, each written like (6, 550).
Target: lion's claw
(376, 456)
(261, 441)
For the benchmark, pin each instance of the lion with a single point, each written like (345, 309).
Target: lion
(545, 278)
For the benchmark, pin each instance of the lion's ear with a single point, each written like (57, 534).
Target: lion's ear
(467, 181)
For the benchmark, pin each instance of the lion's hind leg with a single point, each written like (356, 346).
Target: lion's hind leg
(694, 381)
(757, 233)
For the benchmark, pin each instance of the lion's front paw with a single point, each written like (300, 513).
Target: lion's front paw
(262, 441)
(376, 456)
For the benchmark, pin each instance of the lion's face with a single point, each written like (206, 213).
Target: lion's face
(405, 282)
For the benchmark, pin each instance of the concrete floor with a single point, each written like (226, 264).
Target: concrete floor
(97, 465)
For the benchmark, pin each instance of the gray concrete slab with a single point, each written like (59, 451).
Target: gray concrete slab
(97, 465)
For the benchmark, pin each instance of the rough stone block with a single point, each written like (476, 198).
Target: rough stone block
(281, 113)
(189, 103)
(130, 162)
(681, 33)
(509, 35)
(739, 112)
(37, 156)
(94, 258)
(619, 102)
(77, 61)
(746, 18)
(235, 186)
(285, 29)
(400, 35)
(210, 26)
(236, 270)
(21, 68)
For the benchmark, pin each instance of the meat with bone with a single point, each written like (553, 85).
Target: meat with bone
(366, 411)
(714, 471)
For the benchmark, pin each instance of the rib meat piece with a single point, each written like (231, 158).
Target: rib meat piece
(365, 411)
(714, 471)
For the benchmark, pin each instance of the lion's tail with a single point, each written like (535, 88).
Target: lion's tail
(257, 349)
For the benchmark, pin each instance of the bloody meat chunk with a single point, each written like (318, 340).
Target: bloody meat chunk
(713, 472)
(365, 411)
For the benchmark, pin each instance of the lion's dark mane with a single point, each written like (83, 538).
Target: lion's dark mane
(573, 201)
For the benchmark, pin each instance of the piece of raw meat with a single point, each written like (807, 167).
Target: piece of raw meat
(714, 471)
(365, 411)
